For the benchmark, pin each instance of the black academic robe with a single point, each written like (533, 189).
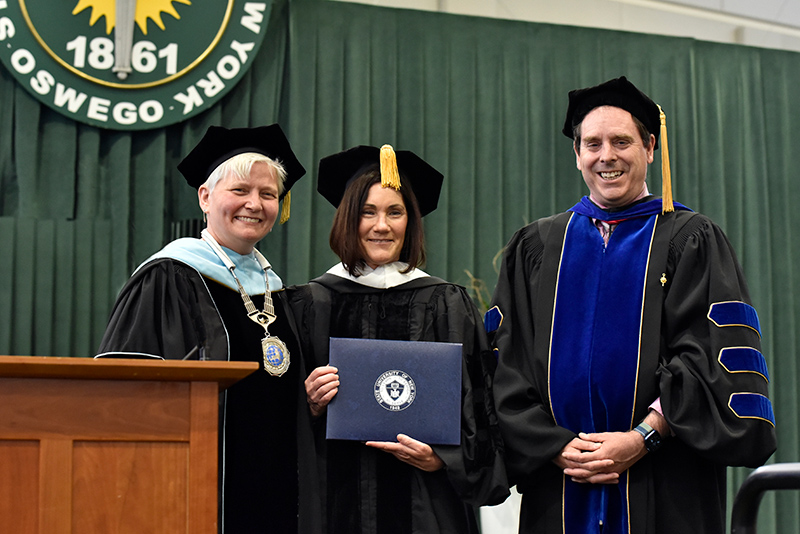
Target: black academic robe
(682, 486)
(168, 309)
(368, 490)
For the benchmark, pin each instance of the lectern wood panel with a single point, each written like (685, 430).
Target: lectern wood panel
(19, 486)
(95, 409)
(113, 447)
(129, 487)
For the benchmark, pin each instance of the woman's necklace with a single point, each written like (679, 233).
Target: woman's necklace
(276, 355)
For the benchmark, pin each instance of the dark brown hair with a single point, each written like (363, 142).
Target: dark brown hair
(344, 238)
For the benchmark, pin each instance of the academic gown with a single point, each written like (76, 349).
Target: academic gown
(368, 490)
(694, 343)
(168, 309)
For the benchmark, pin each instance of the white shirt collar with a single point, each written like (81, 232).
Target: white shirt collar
(384, 277)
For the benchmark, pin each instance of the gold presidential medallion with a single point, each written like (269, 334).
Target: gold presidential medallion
(276, 355)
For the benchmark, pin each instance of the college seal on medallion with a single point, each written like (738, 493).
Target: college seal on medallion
(276, 355)
(395, 390)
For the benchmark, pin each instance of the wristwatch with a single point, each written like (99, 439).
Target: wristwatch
(652, 439)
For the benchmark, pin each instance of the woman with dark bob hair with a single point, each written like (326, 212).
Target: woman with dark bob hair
(344, 239)
(378, 291)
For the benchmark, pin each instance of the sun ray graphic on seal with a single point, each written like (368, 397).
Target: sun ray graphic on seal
(144, 10)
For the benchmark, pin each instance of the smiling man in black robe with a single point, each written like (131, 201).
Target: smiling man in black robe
(630, 373)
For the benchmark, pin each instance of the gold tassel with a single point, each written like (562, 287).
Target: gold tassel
(666, 177)
(390, 177)
(287, 207)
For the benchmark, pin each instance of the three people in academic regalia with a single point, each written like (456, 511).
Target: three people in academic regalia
(629, 374)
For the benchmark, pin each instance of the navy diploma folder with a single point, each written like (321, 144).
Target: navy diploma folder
(396, 387)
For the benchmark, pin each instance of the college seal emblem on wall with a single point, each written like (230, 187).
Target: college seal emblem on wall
(130, 64)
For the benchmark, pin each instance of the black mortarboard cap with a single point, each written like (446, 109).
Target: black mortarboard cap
(618, 92)
(220, 144)
(337, 170)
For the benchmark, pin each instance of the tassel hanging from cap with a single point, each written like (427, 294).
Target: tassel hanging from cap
(287, 207)
(666, 177)
(390, 176)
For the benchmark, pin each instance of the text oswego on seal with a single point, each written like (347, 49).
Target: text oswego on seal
(130, 64)
(395, 390)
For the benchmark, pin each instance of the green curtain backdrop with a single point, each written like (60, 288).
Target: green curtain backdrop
(482, 100)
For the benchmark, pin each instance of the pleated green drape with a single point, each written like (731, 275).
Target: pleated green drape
(482, 100)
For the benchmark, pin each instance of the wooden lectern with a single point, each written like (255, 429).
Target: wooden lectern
(110, 446)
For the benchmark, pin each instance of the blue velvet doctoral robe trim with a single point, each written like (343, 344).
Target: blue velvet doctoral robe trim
(642, 208)
(752, 405)
(744, 360)
(492, 319)
(595, 348)
(199, 254)
(734, 313)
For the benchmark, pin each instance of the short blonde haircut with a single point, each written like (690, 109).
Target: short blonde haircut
(240, 166)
